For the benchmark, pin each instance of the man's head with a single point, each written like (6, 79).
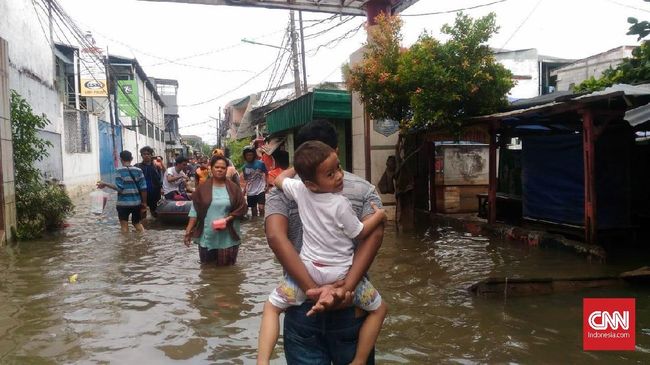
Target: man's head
(181, 163)
(281, 159)
(318, 167)
(249, 154)
(318, 130)
(126, 156)
(147, 154)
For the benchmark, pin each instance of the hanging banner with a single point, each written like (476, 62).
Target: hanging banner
(127, 97)
(92, 73)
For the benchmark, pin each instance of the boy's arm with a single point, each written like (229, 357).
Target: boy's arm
(288, 173)
(102, 184)
(142, 186)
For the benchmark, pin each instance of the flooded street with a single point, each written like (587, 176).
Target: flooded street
(146, 300)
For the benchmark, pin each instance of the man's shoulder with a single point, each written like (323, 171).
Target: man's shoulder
(355, 185)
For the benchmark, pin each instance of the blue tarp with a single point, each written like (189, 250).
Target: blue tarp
(553, 178)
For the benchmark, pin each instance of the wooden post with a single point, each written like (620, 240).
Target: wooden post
(492, 190)
(589, 176)
(431, 166)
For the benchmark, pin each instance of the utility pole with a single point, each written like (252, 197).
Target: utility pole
(219, 129)
(302, 48)
(294, 54)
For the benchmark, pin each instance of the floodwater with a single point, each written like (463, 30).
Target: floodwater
(146, 300)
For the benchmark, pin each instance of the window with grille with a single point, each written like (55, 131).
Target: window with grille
(77, 131)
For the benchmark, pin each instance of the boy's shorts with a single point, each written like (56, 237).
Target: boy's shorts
(124, 212)
(288, 293)
(253, 200)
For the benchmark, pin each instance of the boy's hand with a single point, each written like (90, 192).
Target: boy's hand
(379, 211)
(329, 297)
(101, 185)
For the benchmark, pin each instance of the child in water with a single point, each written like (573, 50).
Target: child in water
(329, 227)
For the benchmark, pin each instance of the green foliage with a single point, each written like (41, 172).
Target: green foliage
(39, 206)
(236, 146)
(432, 83)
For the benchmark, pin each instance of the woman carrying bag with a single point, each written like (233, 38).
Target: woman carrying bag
(217, 207)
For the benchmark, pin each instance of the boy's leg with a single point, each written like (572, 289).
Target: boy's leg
(285, 295)
(252, 203)
(124, 226)
(367, 298)
(269, 332)
(123, 216)
(368, 334)
(136, 218)
(261, 200)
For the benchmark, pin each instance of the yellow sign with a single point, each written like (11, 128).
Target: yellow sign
(92, 73)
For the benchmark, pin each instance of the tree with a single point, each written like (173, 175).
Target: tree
(39, 206)
(431, 84)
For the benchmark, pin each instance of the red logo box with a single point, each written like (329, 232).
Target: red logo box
(608, 324)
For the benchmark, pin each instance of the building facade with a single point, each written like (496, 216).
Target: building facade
(574, 73)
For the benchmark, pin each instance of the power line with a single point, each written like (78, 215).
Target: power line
(628, 6)
(455, 10)
(229, 91)
(521, 24)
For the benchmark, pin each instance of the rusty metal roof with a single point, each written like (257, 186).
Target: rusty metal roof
(344, 7)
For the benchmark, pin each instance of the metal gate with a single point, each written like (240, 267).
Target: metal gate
(107, 163)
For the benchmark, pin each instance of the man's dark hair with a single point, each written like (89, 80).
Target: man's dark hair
(216, 158)
(126, 156)
(281, 159)
(318, 130)
(308, 156)
(146, 149)
(181, 159)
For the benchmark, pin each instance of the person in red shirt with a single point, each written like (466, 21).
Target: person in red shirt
(281, 163)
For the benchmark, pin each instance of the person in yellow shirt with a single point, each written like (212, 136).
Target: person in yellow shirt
(203, 171)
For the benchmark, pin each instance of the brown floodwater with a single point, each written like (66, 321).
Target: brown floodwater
(144, 299)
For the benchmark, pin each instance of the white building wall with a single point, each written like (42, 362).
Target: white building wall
(524, 66)
(31, 63)
(593, 66)
(81, 170)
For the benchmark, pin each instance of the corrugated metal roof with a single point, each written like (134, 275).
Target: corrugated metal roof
(318, 104)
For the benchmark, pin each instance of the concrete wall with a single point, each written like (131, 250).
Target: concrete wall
(7, 189)
(81, 170)
(524, 66)
(380, 146)
(593, 66)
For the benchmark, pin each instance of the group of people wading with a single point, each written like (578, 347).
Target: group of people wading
(324, 225)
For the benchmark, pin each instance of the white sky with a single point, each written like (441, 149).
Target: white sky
(153, 32)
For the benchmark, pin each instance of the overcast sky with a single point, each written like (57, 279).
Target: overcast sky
(213, 66)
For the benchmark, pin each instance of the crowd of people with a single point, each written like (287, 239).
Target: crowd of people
(324, 225)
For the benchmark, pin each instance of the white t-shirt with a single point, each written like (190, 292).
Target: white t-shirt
(172, 186)
(329, 224)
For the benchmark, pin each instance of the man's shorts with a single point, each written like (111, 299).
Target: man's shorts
(254, 200)
(124, 212)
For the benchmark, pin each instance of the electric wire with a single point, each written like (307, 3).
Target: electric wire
(454, 10)
(521, 24)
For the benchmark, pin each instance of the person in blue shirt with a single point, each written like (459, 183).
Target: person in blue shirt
(255, 175)
(131, 190)
(153, 178)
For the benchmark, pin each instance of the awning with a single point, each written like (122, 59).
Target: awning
(318, 104)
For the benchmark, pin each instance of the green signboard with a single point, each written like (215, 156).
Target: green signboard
(127, 97)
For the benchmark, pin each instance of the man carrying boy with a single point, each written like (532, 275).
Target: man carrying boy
(255, 175)
(332, 332)
(329, 226)
(131, 190)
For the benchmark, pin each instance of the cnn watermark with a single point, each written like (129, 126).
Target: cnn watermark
(608, 324)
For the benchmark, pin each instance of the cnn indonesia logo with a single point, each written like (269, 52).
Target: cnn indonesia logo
(608, 324)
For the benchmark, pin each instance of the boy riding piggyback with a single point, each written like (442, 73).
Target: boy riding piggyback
(329, 227)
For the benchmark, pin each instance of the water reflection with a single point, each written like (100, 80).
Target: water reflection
(146, 299)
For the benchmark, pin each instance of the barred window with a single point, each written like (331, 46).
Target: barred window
(77, 131)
